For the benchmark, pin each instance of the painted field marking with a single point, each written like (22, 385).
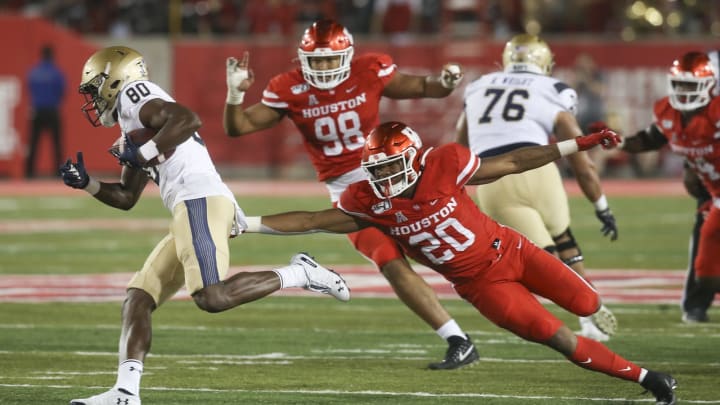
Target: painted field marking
(615, 286)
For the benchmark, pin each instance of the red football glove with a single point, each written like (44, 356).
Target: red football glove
(606, 138)
(596, 126)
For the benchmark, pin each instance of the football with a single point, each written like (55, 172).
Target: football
(139, 137)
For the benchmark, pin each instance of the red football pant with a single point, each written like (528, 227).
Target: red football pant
(503, 293)
(706, 262)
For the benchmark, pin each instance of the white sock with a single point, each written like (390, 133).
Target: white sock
(450, 328)
(291, 276)
(643, 373)
(128, 378)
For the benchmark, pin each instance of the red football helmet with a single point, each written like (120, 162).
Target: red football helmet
(326, 38)
(690, 80)
(390, 158)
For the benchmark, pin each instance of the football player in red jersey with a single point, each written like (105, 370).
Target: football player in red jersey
(333, 99)
(688, 119)
(417, 197)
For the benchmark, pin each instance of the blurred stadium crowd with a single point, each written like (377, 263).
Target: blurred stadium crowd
(400, 19)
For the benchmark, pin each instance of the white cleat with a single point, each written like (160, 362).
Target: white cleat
(113, 397)
(604, 320)
(321, 279)
(590, 331)
(599, 326)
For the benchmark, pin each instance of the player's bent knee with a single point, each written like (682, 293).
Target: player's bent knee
(138, 299)
(586, 303)
(211, 299)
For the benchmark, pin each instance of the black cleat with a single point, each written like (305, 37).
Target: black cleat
(662, 386)
(461, 352)
(695, 315)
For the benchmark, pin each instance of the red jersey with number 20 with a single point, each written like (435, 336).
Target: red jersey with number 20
(440, 226)
(334, 123)
(698, 141)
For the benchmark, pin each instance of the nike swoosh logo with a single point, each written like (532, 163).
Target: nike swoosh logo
(588, 361)
(467, 352)
(625, 369)
(351, 89)
(433, 202)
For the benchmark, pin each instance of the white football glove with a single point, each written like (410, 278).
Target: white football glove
(237, 74)
(451, 75)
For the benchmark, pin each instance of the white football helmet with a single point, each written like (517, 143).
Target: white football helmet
(326, 38)
(392, 145)
(690, 81)
(105, 73)
(528, 53)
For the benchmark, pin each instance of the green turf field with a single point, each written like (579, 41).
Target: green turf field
(314, 350)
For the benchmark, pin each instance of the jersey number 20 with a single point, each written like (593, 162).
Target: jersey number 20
(432, 242)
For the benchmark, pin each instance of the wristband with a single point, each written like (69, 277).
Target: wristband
(234, 97)
(601, 204)
(93, 186)
(149, 150)
(253, 224)
(567, 147)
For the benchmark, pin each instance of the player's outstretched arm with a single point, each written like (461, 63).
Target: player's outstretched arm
(332, 220)
(522, 159)
(644, 140)
(411, 86)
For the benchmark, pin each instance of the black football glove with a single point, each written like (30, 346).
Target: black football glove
(608, 220)
(128, 154)
(74, 174)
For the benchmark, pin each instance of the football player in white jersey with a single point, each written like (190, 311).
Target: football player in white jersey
(523, 106)
(195, 253)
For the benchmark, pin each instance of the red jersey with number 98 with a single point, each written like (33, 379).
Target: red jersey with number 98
(698, 141)
(334, 123)
(440, 226)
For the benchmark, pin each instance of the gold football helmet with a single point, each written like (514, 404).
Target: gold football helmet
(527, 53)
(105, 73)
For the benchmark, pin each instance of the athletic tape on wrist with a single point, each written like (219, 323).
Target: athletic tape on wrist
(253, 224)
(234, 97)
(601, 204)
(149, 150)
(567, 147)
(93, 186)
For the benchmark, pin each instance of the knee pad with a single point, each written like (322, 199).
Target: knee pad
(566, 242)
